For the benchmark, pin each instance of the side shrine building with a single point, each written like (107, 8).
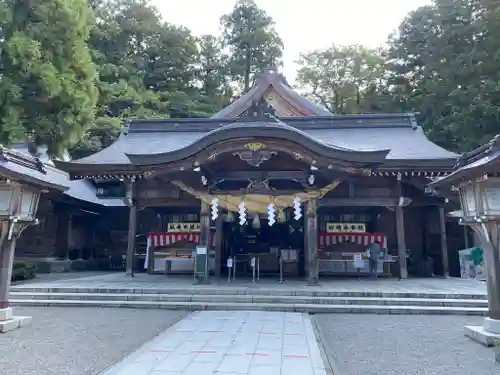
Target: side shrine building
(272, 176)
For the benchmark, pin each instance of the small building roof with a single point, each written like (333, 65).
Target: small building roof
(83, 190)
(480, 161)
(30, 170)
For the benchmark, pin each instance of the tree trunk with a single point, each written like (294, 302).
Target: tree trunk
(248, 65)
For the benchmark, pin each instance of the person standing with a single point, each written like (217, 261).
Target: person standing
(374, 258)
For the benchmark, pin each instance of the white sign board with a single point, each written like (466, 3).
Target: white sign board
(201, 250)
(229, 263)
(358, 261)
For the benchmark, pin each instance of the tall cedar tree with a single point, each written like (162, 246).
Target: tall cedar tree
(48, 83)
(254, 44)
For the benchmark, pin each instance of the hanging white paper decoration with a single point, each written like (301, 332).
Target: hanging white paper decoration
(297, 212)
(242, 212)
(215, 208)
(271, 214)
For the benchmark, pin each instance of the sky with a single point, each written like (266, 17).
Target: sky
(304, 25)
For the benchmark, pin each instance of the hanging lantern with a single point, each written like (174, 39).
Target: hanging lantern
(256, 221)
(281, 215)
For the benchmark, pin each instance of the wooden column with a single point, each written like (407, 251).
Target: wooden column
(218, 243)
(444, 244)
(306, 250)
(400, 233)
(132, 227)
(311, 241)
(205, 225)
(466, 237)
(202, 276)
(63, 231)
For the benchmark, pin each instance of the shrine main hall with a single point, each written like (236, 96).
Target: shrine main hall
(272, 177)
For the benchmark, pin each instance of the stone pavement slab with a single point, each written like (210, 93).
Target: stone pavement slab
(230, 342)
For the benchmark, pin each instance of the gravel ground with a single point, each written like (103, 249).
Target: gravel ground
(404, 345)
(46, 277)
(78, 341)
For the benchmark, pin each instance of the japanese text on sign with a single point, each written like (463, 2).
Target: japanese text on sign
(345, 227)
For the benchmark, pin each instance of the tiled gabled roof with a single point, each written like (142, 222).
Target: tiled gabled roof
(272, 81)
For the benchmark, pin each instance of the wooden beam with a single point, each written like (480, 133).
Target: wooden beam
(358, 202)
(144, 203)
(375, 202)
(261, 175)
(243, 192)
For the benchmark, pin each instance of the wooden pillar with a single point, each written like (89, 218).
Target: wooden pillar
(466, 237)
(306, 250)
(201, 273)
(132, 227)
(311, 241)
(218, 243)
(205, 225)
(444, 244)
(400, 233)
(63, 231)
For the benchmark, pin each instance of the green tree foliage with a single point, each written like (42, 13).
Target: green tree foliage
(253, 42)
(48, 79)
(443, 63)
(212, 74)
(74, 71)
(344, 79)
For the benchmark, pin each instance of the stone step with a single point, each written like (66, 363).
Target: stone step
(227, 306)
(250, 299)
(253, 290)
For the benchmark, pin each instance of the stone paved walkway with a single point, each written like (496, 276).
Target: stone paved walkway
(145, 283)
(230, 343)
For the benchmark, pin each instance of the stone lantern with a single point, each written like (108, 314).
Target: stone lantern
(476, 179)
(22, 179)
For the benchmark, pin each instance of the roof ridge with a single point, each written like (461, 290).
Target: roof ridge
(350, 121)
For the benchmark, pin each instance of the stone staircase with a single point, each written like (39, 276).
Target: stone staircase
(307, 301)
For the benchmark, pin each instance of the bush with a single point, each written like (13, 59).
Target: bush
(23, 270)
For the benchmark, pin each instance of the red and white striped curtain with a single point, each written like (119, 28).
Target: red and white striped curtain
(160, 239)
(327, 239)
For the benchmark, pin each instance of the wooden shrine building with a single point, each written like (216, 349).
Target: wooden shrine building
(333, 184)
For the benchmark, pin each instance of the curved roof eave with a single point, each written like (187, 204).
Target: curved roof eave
(262, 130)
